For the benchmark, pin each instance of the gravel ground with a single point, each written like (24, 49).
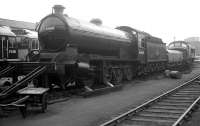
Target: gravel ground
(96, 110)
(194, 120)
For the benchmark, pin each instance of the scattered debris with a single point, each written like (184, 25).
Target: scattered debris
(173, 74)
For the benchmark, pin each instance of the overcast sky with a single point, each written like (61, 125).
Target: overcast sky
(162, 18)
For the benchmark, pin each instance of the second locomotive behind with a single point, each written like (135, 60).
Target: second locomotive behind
(188, 52)
(94, 56)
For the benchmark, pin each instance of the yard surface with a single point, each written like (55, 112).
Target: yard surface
(93, 111)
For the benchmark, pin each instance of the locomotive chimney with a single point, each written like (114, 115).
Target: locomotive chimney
(58, 9)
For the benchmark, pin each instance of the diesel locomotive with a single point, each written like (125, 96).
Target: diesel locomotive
(17, 45)
(94, 56)
(186, 50)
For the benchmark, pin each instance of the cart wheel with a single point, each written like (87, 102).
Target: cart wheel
(44, 103)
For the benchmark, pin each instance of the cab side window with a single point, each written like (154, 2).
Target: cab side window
(141, 41)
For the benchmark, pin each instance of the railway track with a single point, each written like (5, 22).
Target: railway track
(168, 109)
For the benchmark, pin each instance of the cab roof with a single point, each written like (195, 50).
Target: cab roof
(6, 31)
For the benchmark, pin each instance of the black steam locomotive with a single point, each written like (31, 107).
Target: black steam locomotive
(92, 56)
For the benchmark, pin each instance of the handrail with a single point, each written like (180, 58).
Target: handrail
(6, 70)
(29, 76)
(22, 83)
(16, 103)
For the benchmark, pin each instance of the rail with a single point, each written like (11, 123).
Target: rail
(137, 117)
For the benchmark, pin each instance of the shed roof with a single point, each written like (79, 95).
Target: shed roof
(17, 24)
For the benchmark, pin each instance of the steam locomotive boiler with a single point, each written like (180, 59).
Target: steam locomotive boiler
(85, 51)
(93, 56)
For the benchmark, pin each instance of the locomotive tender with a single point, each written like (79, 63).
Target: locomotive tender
(95, 56)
